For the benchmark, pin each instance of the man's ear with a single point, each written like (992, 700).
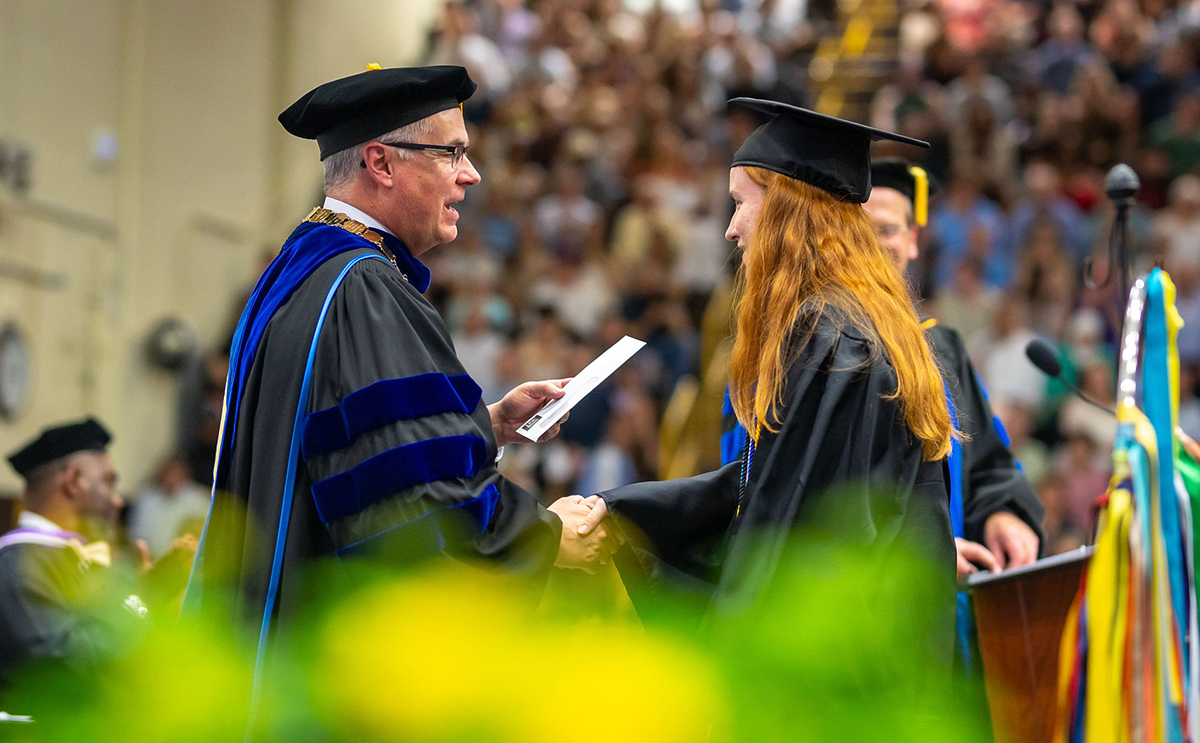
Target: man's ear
(72, 481)
(376, 163)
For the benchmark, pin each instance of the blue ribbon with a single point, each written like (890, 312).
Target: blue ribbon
(1156, 400)
(963, 624)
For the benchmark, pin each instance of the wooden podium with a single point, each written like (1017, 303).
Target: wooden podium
(1020, 615)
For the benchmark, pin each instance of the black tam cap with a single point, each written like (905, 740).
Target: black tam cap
(58, 442)
(356, 109)
(829, 153)
(910, 180)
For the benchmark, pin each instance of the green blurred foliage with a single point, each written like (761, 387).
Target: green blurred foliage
(455, 653)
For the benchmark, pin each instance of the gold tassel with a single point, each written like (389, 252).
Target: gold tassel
(920, 195)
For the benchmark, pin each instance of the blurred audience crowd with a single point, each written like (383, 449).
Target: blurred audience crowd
(601, 132)
(1027, 105)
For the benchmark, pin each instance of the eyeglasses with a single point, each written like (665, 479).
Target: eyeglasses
(456, 151)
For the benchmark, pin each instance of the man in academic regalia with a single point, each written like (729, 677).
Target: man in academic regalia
(350, 427)
(51, 574)
(997, 517)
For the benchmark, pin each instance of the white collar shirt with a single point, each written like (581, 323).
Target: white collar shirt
(37, 522)
(353, 212)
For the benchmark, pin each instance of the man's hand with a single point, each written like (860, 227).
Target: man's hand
(971, 554)
(519, 405)
(183, 551)
(575, 549)
(186, 545)
(162, 584)
(144, 553)
(1010, 539)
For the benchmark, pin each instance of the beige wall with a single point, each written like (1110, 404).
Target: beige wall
(205, 179)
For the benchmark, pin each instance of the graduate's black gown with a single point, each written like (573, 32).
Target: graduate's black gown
(843, 465)
(398, 457)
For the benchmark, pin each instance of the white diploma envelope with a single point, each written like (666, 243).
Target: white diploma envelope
(578, 388)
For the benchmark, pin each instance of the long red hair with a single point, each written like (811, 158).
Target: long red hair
(811, 250)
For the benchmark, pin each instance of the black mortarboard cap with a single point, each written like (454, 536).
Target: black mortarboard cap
(356, 109)
(58, 442)
(829, 153)
(910, 180)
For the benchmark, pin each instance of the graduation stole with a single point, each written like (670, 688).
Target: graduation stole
(89, 553)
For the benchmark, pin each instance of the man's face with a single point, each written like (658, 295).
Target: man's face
(889, 212)
(92, 486)
(425, 187)
(747, 203)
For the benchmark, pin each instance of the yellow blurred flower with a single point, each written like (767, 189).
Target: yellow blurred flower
(457, 656)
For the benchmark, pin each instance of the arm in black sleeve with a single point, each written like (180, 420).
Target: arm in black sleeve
(992, 481)
(675, 536)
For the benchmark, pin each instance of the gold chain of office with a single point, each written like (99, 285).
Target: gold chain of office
(321, 215)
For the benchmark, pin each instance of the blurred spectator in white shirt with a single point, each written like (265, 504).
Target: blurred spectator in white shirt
(1177, 229)
(579, 293)
(567, 220)
(1009, 375)
(479, 348)
(175, 505)
(459, 42)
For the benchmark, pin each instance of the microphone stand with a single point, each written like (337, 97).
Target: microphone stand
(1121, 184)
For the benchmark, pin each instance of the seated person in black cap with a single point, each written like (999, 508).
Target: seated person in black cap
(49, 577)
(351, 428)
(830, 373)
(991, 502)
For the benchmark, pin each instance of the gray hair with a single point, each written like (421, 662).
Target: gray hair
(341, 168)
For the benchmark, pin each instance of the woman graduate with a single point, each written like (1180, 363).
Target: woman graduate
(831, 374)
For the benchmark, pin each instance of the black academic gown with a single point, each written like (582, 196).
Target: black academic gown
(48, 615)
(843, 465)
(991, 480)
(398, 462)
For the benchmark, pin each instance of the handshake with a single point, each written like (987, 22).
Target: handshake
(588, 539)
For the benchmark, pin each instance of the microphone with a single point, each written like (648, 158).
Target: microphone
(1121, 183)
(1043, 356)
